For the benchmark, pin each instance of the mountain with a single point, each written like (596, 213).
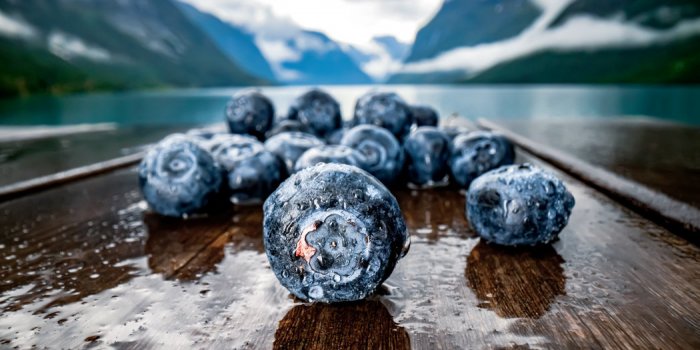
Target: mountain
(572, 41)
(309, 57)
(237, 43)
(677, 62)
(471, 22)
(656, 14)
(72, 45)
(381, 57)
(394, 48)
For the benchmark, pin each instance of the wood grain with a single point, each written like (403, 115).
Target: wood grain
(613, 280)
(679, 216)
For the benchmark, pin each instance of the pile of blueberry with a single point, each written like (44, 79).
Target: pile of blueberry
(332, 229)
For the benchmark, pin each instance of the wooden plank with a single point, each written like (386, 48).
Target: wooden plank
(34, 132)
(30, 165)
(613, 280)
(40, 183)
(23, 160)
(658, 154)
(682, 217)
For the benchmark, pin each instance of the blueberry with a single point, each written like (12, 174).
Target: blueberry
(424, 116)
(384, 109)
(203, 134)
(334, 137)
(454, 131)
(250, 112)
(518, 205)
(178, 177)
(476, 153)
(333, 233)
(289, 146)
(427, 153)
(382, 150)
(252, 172)
(318, 110)
(220, 143)
(287, 125)
(330, 154)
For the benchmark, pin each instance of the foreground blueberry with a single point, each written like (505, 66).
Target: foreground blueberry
(249, 112)
(317, 110)
(178, 177)
(518, 205)
(477, 152)
(333, 233)
(424, 116)
(427, 152)
(384, 109)
(289, 146)
(331, 154)
(252, 172)
(382, 150)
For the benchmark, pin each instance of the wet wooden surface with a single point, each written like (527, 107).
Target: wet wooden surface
(87, 265)
(661, 155)
(22, 160)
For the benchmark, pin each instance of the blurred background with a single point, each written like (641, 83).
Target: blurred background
(135, 62)
(127, 62)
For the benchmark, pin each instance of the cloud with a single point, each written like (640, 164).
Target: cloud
(277, 50)
(310, 42)
(348, 21)
(70, 47)
(15, 27)
(379, 63)
(579, 33)
(255, 16)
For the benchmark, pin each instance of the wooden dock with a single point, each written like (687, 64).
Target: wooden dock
(84, 264)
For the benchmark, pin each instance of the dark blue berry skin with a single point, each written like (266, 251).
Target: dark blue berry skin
(334, 137)
(333, 233)
(424, 116)
(287, 125)
(178, 177)
(252, 172)
(250, 112)
(317, 110)
(382, 150)
(477, 152)
(289, 146)
(518, 205)
(427, 152)
(384, 109)
(331, 154)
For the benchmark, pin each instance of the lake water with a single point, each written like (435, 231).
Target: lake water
(196, 106)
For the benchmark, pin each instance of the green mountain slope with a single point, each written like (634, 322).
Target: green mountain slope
(471, 22)
(671, 56)
(235, 42)
(141, 44)
(650, 13)
(674, 63)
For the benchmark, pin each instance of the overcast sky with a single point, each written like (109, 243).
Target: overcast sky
(347, 21)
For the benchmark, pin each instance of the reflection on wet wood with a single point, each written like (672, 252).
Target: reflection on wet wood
(86, 265)
(362, 325)
(22, 160)
(661, 155)
(515, 282)
(649, 165)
